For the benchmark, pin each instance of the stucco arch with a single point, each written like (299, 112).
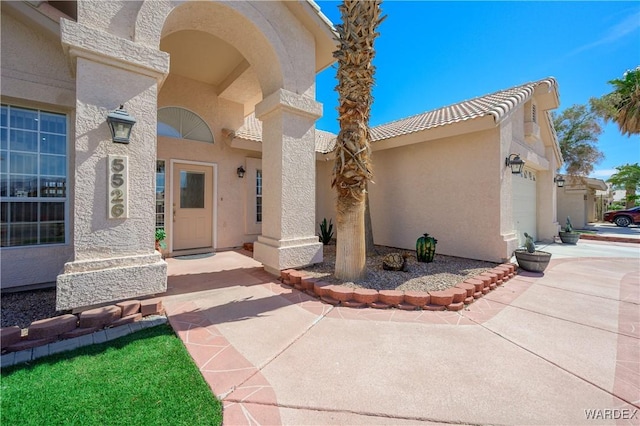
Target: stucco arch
(240, 24)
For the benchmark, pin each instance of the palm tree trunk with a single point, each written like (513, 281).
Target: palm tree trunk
(350, 243)
(352, 169)
(368, 227)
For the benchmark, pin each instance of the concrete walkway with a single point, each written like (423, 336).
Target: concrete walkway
(558, 348)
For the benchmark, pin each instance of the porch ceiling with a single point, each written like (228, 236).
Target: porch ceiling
(206, 58)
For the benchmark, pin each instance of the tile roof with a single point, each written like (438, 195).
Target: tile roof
(251, 130)
(325, 141)
(498, 105)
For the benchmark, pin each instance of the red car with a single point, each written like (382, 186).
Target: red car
(624, 217)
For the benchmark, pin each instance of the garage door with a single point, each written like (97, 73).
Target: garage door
(524, 204)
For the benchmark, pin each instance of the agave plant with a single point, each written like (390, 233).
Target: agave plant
(326, 231)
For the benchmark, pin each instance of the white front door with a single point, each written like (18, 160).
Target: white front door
(524, 201)
(192, 206)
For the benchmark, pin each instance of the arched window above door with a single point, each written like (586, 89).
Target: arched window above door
(181, 123)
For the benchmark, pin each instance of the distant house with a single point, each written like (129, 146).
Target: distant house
(578, 200)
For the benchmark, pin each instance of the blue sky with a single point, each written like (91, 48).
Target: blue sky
(432, 54)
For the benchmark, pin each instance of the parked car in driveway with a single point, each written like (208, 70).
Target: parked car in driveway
(624, 217)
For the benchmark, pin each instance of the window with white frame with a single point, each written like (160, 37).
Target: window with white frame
(33, 177)
(259, 196)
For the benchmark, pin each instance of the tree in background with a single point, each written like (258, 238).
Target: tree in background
(578, 129)
(622, 106)
(627, 178)
(352, 170)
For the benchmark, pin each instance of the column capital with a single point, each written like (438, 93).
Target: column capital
(291, 102)
(79, 40)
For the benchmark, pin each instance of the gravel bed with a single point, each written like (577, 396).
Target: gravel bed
(444, 272)
(24, 307)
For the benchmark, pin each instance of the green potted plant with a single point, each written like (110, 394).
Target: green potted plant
(160, 237)
(569, 236)
(530, 259)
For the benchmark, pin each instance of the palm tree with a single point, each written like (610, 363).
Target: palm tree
(622, 106)
(627, 178)
(352, 169)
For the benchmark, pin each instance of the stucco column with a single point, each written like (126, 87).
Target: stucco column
(114, 258)
(288, 237)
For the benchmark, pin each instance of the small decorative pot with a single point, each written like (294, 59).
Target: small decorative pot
(426, 248)
(569, 237)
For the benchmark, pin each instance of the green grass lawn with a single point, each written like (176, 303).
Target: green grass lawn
(145, 378)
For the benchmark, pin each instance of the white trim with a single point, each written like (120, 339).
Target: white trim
(251, 226)
(214, 219)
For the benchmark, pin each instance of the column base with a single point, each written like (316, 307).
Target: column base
(510, 243)
(277, 255)
(93, 282)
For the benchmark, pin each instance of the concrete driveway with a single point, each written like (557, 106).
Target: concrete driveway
(558, 348)
(607, 228)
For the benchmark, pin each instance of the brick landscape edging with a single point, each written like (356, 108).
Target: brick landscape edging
(12, 358)
(452, 299)
(609, 238)
(69, 327)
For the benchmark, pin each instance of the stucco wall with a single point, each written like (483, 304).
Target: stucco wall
(34, 67)
(325, 194)
(571, 203)
(448, 188)
(35, 74)
(117, 17)
(232, 192)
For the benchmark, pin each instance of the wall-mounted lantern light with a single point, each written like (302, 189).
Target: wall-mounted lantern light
(515, 162)
(120, 123)
(241, 171)
(559, 180)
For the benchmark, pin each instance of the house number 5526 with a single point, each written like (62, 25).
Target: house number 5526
(117, 187)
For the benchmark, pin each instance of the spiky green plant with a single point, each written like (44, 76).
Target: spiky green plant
(326, 231)
(568, 227)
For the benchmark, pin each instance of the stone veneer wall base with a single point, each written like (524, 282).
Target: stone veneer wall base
(93, 287)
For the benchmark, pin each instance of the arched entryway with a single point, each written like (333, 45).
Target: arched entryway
(229, 60)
